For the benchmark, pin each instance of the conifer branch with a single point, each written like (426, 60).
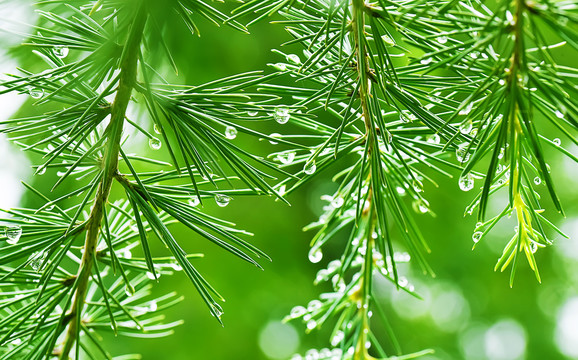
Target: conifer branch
(128, 73)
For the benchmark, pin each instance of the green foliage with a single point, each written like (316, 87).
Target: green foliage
(385, 97)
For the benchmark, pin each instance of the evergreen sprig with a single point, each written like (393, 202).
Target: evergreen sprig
(386, 94)
(71, 260)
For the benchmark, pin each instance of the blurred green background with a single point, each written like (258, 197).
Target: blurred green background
(468, 311)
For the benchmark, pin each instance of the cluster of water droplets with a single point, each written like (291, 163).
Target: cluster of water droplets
(332, 269)
(12, 233)
(321, 354)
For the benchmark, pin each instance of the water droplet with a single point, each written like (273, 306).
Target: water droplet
(466, 127)
(36, 93)
(293, 59)
(336, 340)
(314, 305)
(222, 200)
(282, 190)
(311, 324)
(274, 136)
(282, 115)
(216, 310)
(230, 132)
(310, 168)
(466, 183)
(152, 276)
(557, 142)
(280, 66)
(157, 129)
(466, 110)
(36, 260)
(286, 157)
(533, 247)
(315, 255)
(559, 114)
(477, 236)
(407, 116)
(426, 61)
(252, 113)
(129, 290)
(442, 39)
(420, 206)
(177, 267)
(153, 306)
(337, 202)
(155, 143)
(462, 154)
(60, 51)
(388, 40)
(474, 54)
(401, 257)
(417, 186)
(433, 139)
(297, 311)
(13, 234)
(41, 170)
(194, 201)
(537, 180)
(400, 190)
(16, 342)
